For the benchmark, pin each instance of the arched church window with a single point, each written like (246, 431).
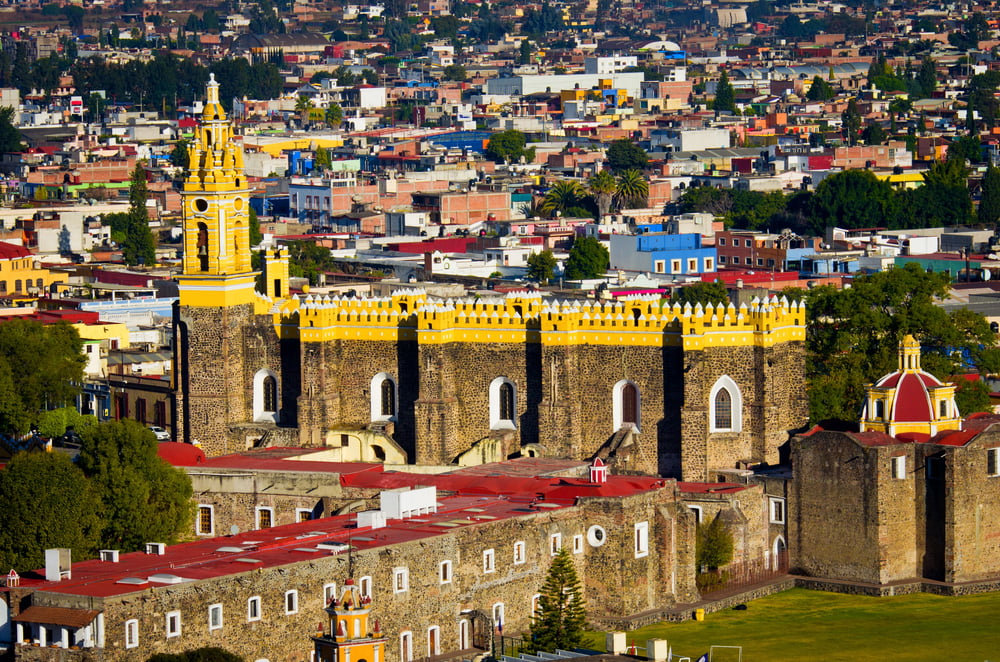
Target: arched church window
(723, 410)
(265, 396)
(383, 397)
(725, 406)
(270, 394)
(503, 404)
(626, 405)
(388, 398)
(202, 247)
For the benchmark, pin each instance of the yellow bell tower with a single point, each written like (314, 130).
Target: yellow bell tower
(216, 269)
(352, 637)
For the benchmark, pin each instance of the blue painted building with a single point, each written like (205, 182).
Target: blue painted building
(651, 250)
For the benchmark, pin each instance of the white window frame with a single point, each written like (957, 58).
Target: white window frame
(555, 543)
(497, 423)
(692, 265)
(776, 510)
(217, 607)
(699, 514)
(993, 461)
(535, 604)
(329, 593)
(578, 544)
(675, 266)
(267, 509)
(400, 580)
(736, 419)
(520, 556)
(406, 646)
(305, 511)
(175, 618)
(132, 633)
(489, 561)
(433, 642)
(261, 415)
(709, 264)
(641, 539)
(365, 586)
(251, 602)
(898, 467)
(618, 405)
(291, 602)
(211, 521)
(375, 392)
(445, 572)
(498, 614)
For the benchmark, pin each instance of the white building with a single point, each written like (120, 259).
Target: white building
(609, 64)
(690, 140)
(522, 85)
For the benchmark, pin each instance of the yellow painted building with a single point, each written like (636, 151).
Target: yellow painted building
(18, 273)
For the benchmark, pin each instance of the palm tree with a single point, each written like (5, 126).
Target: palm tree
(532, 208)
(602, 186)
(632, 189)
(564, 194)
(302, 106)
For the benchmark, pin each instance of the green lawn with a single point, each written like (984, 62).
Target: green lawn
(813, 625)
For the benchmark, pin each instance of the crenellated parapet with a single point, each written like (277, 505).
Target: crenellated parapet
(525, 317)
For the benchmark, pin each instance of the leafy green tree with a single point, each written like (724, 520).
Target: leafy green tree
(10, 136)
(454, 72)
(989, 204)
(624, 155)
(44, 363)
(965, 148)
(143, 498)
(47, 503)
(253, 225)
(632, 189)
(588, 258)
(851, 121)
(874, 134)
(562, 614)
(138, 246)
(703, 293)
(524, 52)
(179, 155)
(508, 147)
(725, 97)
(602, 186)
(852, 199)
(541, 266)
(942, 200)
(976, 29)
(926, 77)
(820, 90)
(853, 336)
(713, 545)
(54, 422)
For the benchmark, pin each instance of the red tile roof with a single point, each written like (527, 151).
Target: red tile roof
(9, 251)
(74, 618)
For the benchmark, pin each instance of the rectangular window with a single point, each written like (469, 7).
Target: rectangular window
(675, 266)
(365, 587)
(291, 602)
(641, 539)
(329, 593)
(400, 580)
(253, 608)
(265, 518)
(132, 633)
(444, 572)
(519, 552)
(659, 266)
(777, 511)
(488, 565)
(697, 513)
(722, 259)
(206, 520)
(578, 544)
(303, 514)
(760, 262)
(692, 265)
(215, 617)
(709, 264)
(993, 461)
(555, 543)
(899, 467)
(722, 241)
(173, 627)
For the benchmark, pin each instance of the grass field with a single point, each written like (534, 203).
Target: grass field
(813, 625)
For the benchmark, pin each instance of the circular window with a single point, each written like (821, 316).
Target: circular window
(596, 536)
(238, 204)
(200, 205)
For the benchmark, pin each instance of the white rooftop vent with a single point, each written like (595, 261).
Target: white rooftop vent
(374, 519)
(167, 579)
(402, 503)
(157, 548)
(109, 555)
(58, 564)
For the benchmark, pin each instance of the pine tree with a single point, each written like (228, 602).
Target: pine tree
(561, 615)
(725, 98)
(138, 246)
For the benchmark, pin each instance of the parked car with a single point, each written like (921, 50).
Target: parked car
(161, 434)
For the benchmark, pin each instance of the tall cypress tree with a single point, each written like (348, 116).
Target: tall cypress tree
(561, 615)
(989, 204)
(138, 246)
(725, 98)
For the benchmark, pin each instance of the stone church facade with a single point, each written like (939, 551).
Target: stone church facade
(408, 379)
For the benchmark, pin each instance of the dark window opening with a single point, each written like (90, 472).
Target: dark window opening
(630, 405)
(506, 401)
(270, 394)
(723, 410)
(388, 398)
